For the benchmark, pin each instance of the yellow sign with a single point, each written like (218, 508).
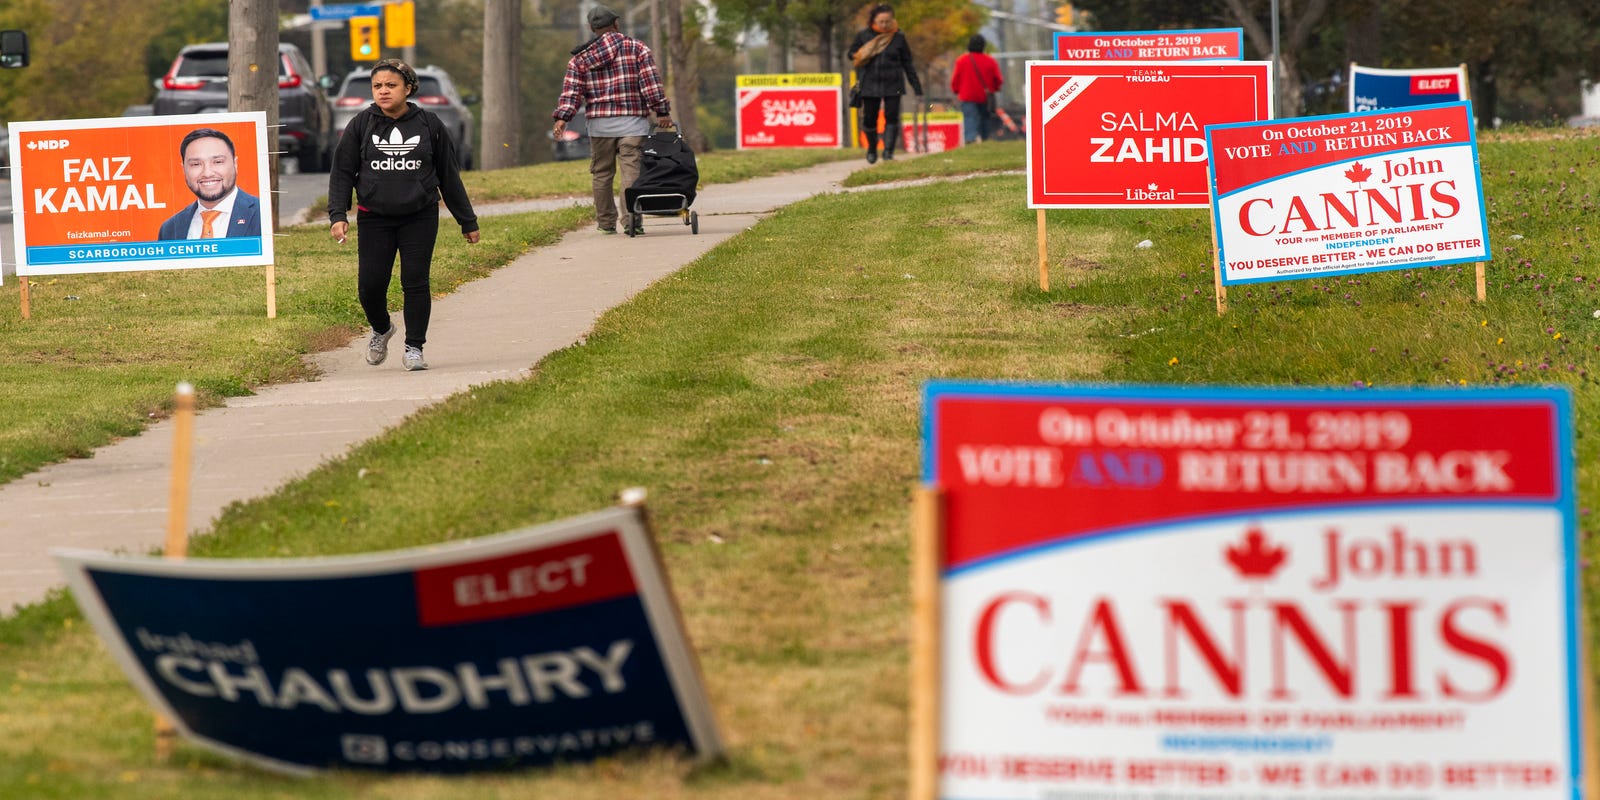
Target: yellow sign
(400, 24)
(364, 38)
(804, 79)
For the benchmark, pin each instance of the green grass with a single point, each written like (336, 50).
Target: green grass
(768, 396)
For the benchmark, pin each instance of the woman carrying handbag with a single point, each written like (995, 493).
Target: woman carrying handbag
(975, 80)
(882, 59)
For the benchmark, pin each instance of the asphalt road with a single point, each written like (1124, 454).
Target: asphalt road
(297, 190)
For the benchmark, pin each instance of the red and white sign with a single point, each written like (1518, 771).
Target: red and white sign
(1132, 135)
(1317, 196)
(789, 111)
(1213, 593)
(939, 131)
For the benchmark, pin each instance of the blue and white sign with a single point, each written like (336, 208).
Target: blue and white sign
(1375, 89)
(556, 643)
(345, 11)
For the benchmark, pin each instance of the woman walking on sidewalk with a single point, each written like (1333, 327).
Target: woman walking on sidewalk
(881, 55)
(399, 158)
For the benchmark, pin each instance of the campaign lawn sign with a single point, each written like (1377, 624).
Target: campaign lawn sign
(1173, 45)
(1322, 196)
(1373, 89)
(1226, 593)
(558, 643)
(789, 110)
(1131, 134)
(111, 195)
(931, 131)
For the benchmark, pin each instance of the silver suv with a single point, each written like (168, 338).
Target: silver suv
(198, 82)
(436, 92)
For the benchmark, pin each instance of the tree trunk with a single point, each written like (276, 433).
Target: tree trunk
(253, 74)
(683, 75)
(502, 117)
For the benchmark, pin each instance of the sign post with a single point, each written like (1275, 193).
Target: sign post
(1224, 593)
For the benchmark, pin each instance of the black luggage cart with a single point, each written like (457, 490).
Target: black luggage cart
(666, 184)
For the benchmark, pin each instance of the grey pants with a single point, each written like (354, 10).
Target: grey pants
(606, 153)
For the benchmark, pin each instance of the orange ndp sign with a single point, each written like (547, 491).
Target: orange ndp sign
(107, 195)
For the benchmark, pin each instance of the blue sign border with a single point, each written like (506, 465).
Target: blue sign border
(1055, 41)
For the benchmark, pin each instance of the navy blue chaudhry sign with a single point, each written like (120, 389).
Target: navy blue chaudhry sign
(559, 643)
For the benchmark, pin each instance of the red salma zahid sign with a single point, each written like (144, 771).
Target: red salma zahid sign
(1132, 134)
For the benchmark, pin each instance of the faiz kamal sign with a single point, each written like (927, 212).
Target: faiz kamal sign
(113, 195)
(1175, 45)
(560, 643)
(1242, 593)
(789, 110)
(1372, 89)
(1317, 196)
(1132, 134)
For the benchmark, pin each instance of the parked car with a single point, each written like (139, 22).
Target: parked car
(436, 92)
(573, 143)
(5, 148)
(198, 83)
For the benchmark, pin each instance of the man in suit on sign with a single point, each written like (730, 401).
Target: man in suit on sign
(220, 209)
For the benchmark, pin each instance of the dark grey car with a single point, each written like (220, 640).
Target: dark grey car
(436, 92)
(198, 82)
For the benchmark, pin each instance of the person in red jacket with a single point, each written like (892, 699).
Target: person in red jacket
(976, 76)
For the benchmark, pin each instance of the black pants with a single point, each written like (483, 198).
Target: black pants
(891, 121)
(380, 238)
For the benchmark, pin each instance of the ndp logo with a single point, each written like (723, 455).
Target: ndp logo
(48, 144)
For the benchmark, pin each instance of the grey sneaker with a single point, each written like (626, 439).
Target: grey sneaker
(378, 346)
(413, 359)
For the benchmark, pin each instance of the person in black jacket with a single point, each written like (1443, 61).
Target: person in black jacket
(399, 158)
(881, 55)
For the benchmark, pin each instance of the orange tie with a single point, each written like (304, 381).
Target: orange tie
(206, 218)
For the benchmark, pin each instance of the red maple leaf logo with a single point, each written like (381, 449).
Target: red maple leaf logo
(1256, 557)
(1357, 173)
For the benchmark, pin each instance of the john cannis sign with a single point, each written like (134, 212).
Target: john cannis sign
(1212, 593)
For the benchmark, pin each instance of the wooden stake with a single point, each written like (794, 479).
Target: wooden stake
(27, 312)
(177, 522)
(927, 552)
(1044, 263)
(1216, 273)
(272, 291)
(1483, 289)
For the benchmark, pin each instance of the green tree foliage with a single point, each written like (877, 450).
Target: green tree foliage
(81, 64)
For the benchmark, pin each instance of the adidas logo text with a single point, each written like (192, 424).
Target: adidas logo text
(395, 163)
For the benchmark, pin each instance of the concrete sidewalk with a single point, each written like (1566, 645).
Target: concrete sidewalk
(493, 329)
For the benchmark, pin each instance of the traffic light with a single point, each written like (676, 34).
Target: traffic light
(1064, 14)
(400, 24)
(364, 38)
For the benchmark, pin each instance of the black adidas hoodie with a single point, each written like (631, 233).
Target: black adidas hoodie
(397, 167)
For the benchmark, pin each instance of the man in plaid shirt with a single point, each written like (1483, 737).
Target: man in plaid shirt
(616, 79)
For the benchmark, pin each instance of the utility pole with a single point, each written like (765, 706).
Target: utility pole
(502, 128)
(319, 46)
(253, 73)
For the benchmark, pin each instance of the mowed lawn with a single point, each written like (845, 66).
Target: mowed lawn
(768, 396)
